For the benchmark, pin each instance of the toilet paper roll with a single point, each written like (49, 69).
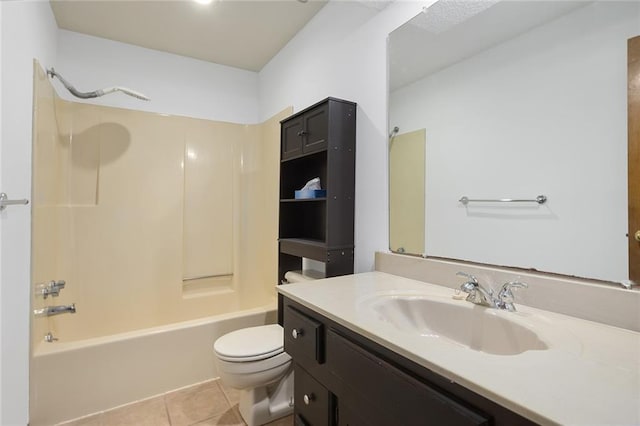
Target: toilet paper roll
(302, 276)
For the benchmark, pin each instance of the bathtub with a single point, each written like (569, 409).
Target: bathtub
(78, 378)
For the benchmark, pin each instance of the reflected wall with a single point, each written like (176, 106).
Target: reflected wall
(541, 113)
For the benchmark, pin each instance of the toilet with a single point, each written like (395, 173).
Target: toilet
(253, 360)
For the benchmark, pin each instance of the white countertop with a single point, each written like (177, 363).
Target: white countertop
(590, 375)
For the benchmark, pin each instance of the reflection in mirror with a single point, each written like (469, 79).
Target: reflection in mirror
(518, 99)
(406, 192)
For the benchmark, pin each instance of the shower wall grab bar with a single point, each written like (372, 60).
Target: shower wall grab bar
(4, 201)
(540, 199)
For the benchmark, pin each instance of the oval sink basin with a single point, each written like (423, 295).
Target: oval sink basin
(476, 327)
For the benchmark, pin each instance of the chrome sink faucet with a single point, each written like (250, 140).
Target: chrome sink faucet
(485, 297)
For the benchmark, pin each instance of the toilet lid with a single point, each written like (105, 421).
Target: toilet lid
(250, 344)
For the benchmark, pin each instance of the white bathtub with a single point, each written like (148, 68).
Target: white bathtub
(75, 379)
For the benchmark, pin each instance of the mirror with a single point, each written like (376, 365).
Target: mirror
(518, 99)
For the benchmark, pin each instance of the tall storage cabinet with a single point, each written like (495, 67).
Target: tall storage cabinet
(319, 141)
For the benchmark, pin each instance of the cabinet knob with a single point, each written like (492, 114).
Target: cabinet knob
(308, 398)
(302, 133)
(296, 333)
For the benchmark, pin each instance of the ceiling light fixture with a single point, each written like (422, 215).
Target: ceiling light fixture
(203, 1)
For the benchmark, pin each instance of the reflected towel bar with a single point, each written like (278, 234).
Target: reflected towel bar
(540, 199)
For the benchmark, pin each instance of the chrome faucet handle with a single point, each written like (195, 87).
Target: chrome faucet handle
(477, 294)
(52, 288)
(472, 278)
(470, 286)
(505, 296)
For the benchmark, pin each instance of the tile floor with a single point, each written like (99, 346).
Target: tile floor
(206, 404)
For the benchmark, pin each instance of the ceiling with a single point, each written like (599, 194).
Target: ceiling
(243, 34)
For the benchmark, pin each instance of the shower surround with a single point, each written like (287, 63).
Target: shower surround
(160, 226)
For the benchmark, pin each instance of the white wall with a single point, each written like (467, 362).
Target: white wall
(544, 113)
(175, 84)
(28, 31)
(342, 53)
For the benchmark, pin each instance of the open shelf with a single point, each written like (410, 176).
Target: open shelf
(311, 249)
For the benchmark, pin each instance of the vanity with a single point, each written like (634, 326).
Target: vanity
(380, 349)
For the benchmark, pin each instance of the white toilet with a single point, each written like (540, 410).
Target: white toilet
(253, 360)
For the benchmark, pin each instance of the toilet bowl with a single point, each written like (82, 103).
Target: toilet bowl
(253, 360)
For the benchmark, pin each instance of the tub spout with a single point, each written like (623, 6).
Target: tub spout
(55, 310)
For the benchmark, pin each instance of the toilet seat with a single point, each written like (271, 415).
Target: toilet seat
(282, 360)
(250, 344)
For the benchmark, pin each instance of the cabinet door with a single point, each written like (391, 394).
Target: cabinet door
(316, 129)
(369, 383)
(312, 400)
(350, 417)
(303, 336)
(292, 138)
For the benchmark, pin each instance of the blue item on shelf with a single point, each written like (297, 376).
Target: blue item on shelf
(310, 193)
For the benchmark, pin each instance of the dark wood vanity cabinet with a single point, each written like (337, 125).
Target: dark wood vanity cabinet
(342, 378)
(319, 141)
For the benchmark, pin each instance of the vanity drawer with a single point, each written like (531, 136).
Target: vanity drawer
(312, 400)
(303, 336)
(406, 400)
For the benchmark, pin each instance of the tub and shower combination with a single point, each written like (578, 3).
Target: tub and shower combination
(164, 230)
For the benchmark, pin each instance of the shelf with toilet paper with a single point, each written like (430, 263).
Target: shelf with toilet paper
(318, 154)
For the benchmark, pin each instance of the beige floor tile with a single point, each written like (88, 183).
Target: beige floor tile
(233, 395)
(229, 418)
(151, 412)
(196, 404)
(95, 420)
(285, 421)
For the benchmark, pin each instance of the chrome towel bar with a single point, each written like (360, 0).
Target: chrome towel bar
(4, 202)
(540, 199)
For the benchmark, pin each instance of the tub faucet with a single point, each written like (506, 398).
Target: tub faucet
(476, 293)
(55, 310)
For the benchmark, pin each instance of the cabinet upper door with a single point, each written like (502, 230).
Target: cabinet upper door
(316, 129)
(292, 132)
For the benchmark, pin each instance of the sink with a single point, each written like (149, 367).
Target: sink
(473, 326)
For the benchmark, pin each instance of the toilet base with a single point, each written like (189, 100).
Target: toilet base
(265, 404)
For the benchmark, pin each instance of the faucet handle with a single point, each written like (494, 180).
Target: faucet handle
(514, 284)
(505, 296)
(472, 278)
